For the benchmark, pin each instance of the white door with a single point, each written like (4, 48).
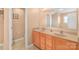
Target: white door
(18, 28)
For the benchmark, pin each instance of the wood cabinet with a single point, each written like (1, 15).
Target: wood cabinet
(42, 41)
(36, 40)
(62, 44)
(49, 42)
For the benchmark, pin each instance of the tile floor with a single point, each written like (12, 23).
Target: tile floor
(33, 48)
(30, 48)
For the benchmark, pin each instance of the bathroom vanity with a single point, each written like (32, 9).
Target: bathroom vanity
(47, 40)
(59, 30)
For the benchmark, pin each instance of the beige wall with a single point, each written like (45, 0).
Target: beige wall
(33, 21)
(1, 28)
(42, 18)
(6, 32)
(36, 18)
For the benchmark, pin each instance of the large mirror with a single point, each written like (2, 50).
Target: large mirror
(64, 18)
(70, 21)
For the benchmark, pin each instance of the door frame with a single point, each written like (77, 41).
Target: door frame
(10, 35)
(26, 28)
(10, 29)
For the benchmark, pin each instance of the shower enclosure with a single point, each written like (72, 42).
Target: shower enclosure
(18, 28)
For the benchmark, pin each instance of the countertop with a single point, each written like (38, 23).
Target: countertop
(64, 35)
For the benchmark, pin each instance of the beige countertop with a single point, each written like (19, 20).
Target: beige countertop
(66, 36)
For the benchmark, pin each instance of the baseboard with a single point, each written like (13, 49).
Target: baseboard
(18, 39)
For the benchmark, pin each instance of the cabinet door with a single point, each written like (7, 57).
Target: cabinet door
(71, 45)
(49, 42)
(62, 44)
(36, 40)
(42, 41)
(78, 46)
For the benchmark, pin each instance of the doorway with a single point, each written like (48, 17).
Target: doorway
(18, 28)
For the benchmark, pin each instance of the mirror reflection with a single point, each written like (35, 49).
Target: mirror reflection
(62, 18)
